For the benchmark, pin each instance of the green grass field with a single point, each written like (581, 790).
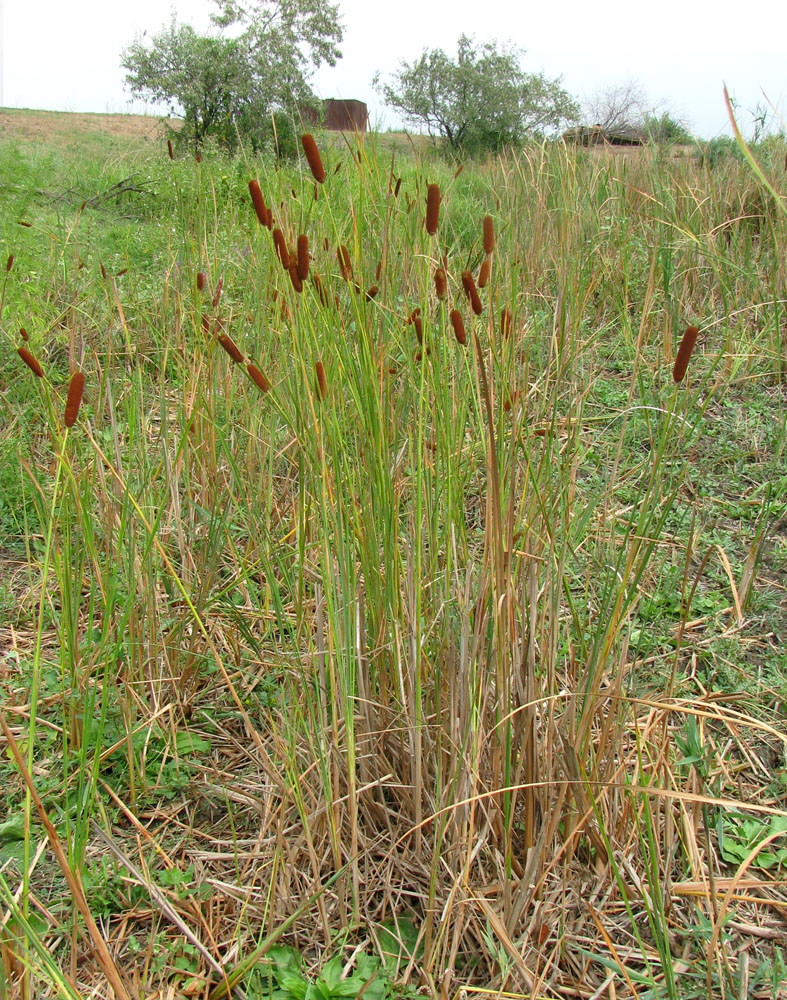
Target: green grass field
(392, 665)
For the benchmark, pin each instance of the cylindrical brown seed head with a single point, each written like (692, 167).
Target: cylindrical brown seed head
(303, 257)
(257, 377)
(506, 322)
(432, 208)
(372, 292)
(440, 284)
(281, 248)
(30, 361)
(103, 272)
(344, 262)
(459, 326)
(170, 150)
(206, 322)
(27, 225)
(199, 158)
(459, 170)
(472, 292)
(217, 292)
(379, 270)
(322, 382)
(313, 157)
(419, 328)
(397, 186)
(201, 281)
(295, 278)
(687, 343)
(75, 389)
(483, 274)
(489, 234)
(23, 334)
(258, 202)
(231, 348)
(9, 263)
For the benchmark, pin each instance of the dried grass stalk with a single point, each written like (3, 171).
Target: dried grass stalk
(74, 398)
(687, 343)
(30, 361)
(313, 157)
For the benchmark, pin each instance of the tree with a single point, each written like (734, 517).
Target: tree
(223, 85)
(481, 101)
(625, 107)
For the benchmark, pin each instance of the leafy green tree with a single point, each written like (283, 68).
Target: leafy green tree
(222, 85)
(481, 101)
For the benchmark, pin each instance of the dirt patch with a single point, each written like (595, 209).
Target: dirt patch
(54, 126)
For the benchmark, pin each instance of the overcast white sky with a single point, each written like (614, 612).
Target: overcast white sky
(64, 55)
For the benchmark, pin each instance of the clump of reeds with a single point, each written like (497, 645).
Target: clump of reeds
(459, 327)
(76, 388)
(31, 362)
(313, 157)
(432, 208)
(685, 349)
(472, 293)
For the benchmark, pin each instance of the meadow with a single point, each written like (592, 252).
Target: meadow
(399, 610)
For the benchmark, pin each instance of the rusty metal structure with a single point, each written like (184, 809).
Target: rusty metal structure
(346, 116)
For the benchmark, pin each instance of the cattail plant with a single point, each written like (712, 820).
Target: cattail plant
(9, 263)
(459, 327)
(472, 293)
(459, 170)
(322, 381)
(74, 398)
(483, 274)
(313, 157)
(506, 322)
(372, 292)
(397, 186)
(281, 248)
(417, 322)
(201, 281)
(344, 262)
(217, 291)
(30, 361)
(26, 224)
(440, 284)
(303, 257)
(170, 150)
(432, 208)
(295, 277)
(231, 348)
(489, 235)
(23, 334)
(257, 377)
(258, 202)
(687, 343)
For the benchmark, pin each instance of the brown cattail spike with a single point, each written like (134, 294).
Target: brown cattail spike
(295, 278)
(419, 328)
(687, 343)
(30, 361)
(459, 170)
(506, 322)
(483, 274)
(322, 382)
(75, 389)
(201, 282)
(23, 334)
(472, 292)
(432, 208)
(9, 263)
(459, 326)
(440, 284)
(489, 234)
(170, 150)
(281, 248)
(257, 377)
(303, 257)
(231, 348)
(258, 202)
(372, 293)
(313, 157)
(217, 292)
(397, 186)
(344, 263)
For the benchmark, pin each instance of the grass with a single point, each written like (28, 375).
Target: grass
(418, 663)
